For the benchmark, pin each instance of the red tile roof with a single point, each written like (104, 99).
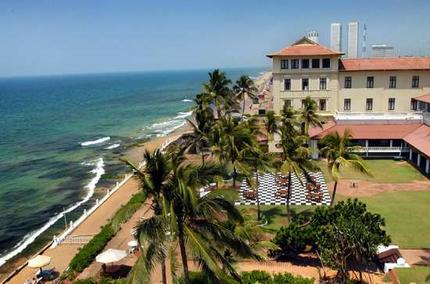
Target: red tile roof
(420, 139)
(423, 98)
(371, 131)
(305, 47)
(381, 64)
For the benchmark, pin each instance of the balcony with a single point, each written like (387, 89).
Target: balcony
(384, 149)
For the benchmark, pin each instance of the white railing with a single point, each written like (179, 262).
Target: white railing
(77, 239)
(383, 149)
(73, 225)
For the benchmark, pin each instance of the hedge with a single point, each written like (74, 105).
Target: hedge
(88, 252)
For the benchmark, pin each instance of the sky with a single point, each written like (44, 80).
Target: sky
(87, 36)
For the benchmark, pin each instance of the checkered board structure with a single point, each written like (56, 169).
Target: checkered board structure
(268, 187)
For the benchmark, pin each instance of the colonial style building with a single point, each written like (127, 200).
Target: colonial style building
(383, 102)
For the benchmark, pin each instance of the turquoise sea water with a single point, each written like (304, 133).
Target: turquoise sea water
(61, 137)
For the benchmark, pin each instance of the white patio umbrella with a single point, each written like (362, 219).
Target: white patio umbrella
(39, 261)
(133, 243)
(111, 255)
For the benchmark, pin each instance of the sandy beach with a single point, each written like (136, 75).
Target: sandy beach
(63, 254)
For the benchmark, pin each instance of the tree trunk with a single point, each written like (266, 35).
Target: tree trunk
(183, 253)
(243, 107)
(234, 177)
(288, 196)
(258, 199)
(334, 193)
(163, 271)
(203, 158)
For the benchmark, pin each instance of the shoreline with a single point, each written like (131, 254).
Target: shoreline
(135, 155)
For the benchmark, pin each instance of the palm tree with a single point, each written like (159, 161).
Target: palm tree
(230, 139)
(309, 116)
(260, 162)
(296, 157)
(339, 153)
(218, 89)
(271, 123)
(155, 181)
(198, 222)
(245, 88)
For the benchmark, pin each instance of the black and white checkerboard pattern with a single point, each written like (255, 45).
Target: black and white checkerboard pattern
(268, 188)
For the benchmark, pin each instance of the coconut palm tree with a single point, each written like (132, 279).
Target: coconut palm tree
(156, 180)
(260, 162)
(218, 89)
(271, 123)
(308, 115)
(245, 88)
(230, 139)
(340, 153)
(296, 157)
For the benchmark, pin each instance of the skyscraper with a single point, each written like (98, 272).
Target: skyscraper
(336, 37)
(353, 39)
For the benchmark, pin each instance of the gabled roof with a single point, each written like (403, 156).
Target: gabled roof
(423, 98)
(305, 47)
(382, 64)
(420, 139)
(371, 131)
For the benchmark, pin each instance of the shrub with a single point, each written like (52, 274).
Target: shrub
(294, 238)
(256, 276)
(287, 278)
(88, 252)
(85, 281)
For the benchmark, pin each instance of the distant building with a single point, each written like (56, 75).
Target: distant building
(382, 50)
(313, 36)
(336, 37)
(353, 29)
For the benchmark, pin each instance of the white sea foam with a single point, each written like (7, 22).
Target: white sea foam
(113, 146)
(187, 100)
(93, 142)
(165, 127)
(98, 170)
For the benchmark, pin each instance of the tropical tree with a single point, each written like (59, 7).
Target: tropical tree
(230, 140)
(260, 162)
(271, 123)
(308, 115)
(296, 157)
(218, 89)
(156, 180)
(340, 153)
(245, 88)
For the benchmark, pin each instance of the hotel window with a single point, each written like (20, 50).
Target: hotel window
(393, 82)
(326, 63)
(369, 104)
(305, 84)
(415, 81)
(391, 103)
(316, 63)
(414, 105)
(284, 63)
(287, 84)
(294, 64)
(323, 83)
(323, 105)
(303, 103)
(347, 104)
(287, 104)
(348, 82)
(305, 63)
(370, 82)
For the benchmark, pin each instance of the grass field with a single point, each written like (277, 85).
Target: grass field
(417, 274)
(383, 171)
(406, 216)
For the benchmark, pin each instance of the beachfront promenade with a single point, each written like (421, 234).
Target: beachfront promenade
(63, 254)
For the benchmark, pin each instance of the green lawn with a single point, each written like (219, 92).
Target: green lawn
(384, 171)
(417, 274)
(406, 216)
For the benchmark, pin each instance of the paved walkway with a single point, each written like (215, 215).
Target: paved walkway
(63, 254)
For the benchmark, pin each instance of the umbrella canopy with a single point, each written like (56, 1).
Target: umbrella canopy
(133, 243)
(111, 255)
(39, 261)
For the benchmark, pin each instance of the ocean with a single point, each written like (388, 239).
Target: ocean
(61, 138)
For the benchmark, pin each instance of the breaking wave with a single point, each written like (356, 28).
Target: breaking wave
(93, 142)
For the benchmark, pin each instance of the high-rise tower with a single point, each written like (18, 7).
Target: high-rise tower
(353, 39)
(336, 37)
